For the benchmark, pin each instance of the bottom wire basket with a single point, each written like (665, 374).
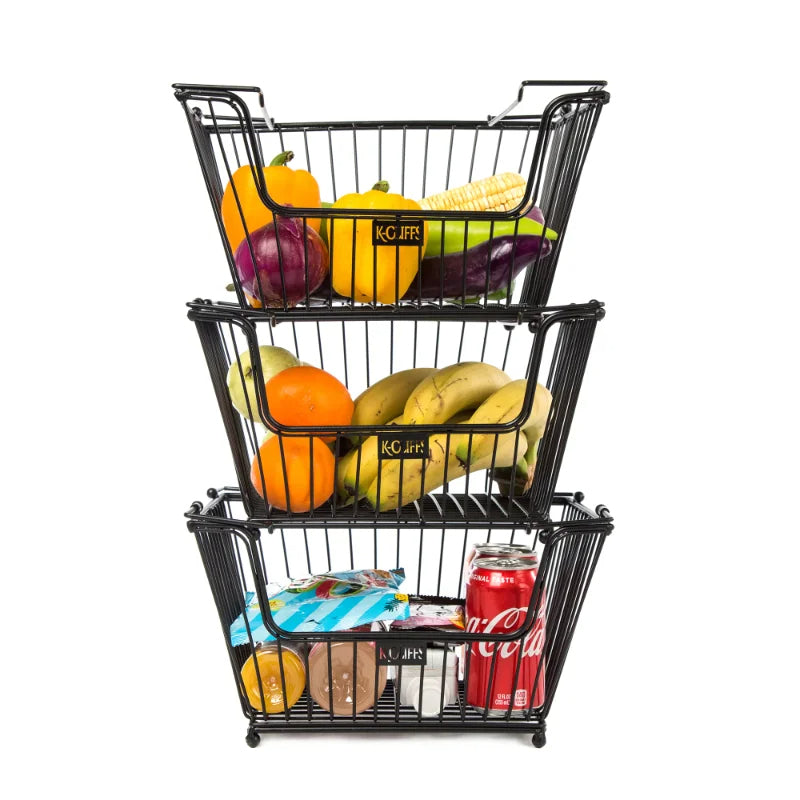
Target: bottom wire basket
(364, 629)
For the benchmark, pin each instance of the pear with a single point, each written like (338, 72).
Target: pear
(273, 361)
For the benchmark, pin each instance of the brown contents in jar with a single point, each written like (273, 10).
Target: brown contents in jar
(352, 682)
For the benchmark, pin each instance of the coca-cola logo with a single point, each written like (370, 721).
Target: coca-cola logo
(508, 620)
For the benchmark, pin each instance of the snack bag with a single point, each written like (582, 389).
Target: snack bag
(335, 601)
(431, 615)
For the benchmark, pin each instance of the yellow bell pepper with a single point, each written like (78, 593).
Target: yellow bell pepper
(382, 272)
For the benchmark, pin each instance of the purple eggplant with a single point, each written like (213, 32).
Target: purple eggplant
(503, 258)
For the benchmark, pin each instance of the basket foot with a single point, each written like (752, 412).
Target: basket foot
(539, 739)
(252, 738)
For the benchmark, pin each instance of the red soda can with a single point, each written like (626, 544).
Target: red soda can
(499, 549)
(499, 591)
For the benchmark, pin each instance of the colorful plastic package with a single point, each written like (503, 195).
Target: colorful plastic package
(335, 601)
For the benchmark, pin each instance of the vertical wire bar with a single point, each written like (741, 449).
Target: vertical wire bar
(350, 538)
(425, 161)
(344, 351)
(472, 158)
(333, 171)
(524, 148)
(319, 344)
(403, 163)
(330, 680)
(355, 678)
(308, 156)
(449, 158)
(497, 152)
(355, 156)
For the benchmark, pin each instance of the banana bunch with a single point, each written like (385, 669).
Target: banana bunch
(467, 392)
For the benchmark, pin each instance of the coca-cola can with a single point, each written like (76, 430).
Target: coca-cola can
(489, 549)
(499, 591)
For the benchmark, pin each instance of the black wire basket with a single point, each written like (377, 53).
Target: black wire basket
(318, 237)
(472, 469)
(241, 558)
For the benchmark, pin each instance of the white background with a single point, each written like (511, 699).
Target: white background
(681, 681)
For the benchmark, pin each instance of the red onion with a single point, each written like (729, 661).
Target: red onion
(299, 256)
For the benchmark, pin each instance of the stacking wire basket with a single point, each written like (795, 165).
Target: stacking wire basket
(447, 288)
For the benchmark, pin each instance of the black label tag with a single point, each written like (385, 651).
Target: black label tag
(396, 653)
(402, 445)
(398, 233)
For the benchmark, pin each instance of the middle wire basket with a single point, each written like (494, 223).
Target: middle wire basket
(407, 432)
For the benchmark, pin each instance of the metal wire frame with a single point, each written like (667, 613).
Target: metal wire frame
(552, 349)
(549, 148)
(238, 562)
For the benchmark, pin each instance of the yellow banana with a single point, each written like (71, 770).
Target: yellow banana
(365, 466)
(440, 465)
(464, 385)
(386, 399)
(504, 405)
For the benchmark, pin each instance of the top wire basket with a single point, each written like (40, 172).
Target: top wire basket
(393, 217)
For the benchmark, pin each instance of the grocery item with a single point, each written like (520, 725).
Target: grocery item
(401, 481)
(333, 601)
(281, 262)
(499, 591)
(501, 192)
(286, 186)
(485, 268)
(432, 615)
(455, 236)
(261, 677)
(497, 549)
(359, 467)
(299, 464)
(386, 399)
(504, 405)
(363, 270)
(432, 689)
(240, 379)
(457, 387)
(345, 673)
(309, 396)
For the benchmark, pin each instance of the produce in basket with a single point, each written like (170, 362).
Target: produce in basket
(386, 399)
(504, 405)
(300, 396)
(455, 388)
(281, 262)
(286, 186)
(464, 274)
(240, 380)
(442, 465)
(293, 463)
(360, 269)
(480, 257)
(502, 192)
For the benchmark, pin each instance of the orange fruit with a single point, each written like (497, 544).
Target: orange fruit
(302, 457)
(309, 396)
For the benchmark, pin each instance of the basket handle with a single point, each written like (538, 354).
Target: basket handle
(593, 86)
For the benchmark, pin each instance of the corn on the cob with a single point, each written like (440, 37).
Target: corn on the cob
(498, 193)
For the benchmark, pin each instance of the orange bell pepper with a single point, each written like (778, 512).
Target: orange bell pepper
(286, 186)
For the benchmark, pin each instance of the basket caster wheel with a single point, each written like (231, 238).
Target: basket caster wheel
(539, 739)
(252, 739)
